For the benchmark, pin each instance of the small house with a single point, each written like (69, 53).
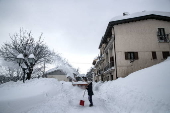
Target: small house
(58, 74)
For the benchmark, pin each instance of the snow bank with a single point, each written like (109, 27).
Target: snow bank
(16, 96)
(145, 91)
(64, 101)
(34, 87)
(153, 81)
(45, 95)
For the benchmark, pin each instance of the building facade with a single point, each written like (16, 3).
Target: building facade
(132, 42)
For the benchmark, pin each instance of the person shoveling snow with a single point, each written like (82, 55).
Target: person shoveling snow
(90, 93)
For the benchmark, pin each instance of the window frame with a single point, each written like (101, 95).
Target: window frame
(131, 56)
(161, 32)
(162, 36)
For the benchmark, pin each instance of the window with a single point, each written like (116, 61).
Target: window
(161, 32)
(162, 37)
(131, 56)
(154, 55)
(111, 77)
(112, 61)
(165, 54)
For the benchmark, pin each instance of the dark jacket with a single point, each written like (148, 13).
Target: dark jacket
(90, 89)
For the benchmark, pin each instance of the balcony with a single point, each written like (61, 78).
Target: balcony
(100, 72)
(109, 66)
(99, 61)
(163, 38)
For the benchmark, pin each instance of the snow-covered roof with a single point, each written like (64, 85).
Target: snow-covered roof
(31, 56)
(55, 69)
(20, 56)
(51, 70)
(68, 70)
(140, 14)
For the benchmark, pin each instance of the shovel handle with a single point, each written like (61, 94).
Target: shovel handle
(84, 93)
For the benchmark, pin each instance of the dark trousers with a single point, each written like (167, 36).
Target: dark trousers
(90, 99)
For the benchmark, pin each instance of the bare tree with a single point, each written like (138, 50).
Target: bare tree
(38, 72)
(24, 43)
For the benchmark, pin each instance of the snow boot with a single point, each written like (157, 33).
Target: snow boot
(90, 105)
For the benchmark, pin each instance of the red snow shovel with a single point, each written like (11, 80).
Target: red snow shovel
(82, 101)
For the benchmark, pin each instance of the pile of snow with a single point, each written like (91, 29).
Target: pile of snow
(31, 88)
(153, 81)
(18, 96)
(144, 91)
(45, 95)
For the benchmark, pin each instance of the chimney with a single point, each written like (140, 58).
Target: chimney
(125, 13)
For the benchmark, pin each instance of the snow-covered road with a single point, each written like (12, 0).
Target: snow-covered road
(99, 106)
(67, 101)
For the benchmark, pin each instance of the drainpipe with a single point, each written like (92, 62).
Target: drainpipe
(115, 53)
(169, 41)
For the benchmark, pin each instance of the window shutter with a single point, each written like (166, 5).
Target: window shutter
(126, 55)
(163, 32)
(136, 55)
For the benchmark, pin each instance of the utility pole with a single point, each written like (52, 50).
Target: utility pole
(44, 70)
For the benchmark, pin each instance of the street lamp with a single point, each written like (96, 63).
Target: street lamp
(20, 59)
(31, 59)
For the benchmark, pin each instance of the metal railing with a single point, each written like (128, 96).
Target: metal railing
(163, 38)
(108, 66)
(99, 72)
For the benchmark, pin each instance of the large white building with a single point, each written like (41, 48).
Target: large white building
(133, 42)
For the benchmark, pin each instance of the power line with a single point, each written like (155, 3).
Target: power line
(79, 63)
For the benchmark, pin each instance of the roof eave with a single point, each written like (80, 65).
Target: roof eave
(151, 16)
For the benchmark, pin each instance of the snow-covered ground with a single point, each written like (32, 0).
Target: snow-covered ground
(144, 91)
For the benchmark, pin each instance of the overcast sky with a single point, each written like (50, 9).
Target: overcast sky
(73, 28)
